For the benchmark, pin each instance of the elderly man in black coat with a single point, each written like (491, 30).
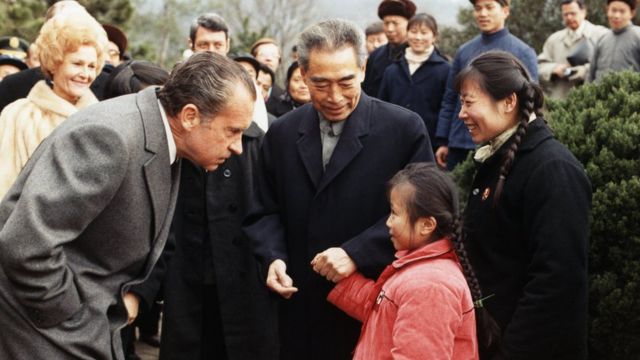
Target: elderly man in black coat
(322, 191)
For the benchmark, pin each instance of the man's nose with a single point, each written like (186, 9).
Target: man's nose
(236, 147)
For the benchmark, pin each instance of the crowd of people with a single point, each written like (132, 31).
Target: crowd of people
(314, 221)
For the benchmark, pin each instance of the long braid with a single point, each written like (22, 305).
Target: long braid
(488, 331)
(527, 96)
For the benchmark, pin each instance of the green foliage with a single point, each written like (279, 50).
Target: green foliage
(246, 37)
(600, 124)
(22, 18)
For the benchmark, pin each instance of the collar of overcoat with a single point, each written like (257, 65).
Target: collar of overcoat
(310, 147)
(157, 172)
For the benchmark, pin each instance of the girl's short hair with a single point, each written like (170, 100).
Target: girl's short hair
(66, 33)
(426, 20)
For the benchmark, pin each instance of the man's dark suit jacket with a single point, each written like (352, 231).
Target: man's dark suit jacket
(303, 210)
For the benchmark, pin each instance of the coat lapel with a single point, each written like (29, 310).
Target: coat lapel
(349, 145)
(156, 169)
(309, 145)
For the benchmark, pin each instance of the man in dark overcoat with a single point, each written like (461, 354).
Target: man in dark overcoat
(322, 190)
(89, 215)
(215, 304)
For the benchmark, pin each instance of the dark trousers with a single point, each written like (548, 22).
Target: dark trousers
(192, 327)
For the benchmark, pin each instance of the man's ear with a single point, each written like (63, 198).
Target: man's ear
(190, 44)
(189, 117)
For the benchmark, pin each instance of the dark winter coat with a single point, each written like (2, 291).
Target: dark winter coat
(530, 250)
(209, 247)
(421, 92)
(377, 63)
(283, 105)
(304, 210)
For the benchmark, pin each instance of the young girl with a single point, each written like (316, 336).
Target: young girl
(420, 307)
(417, 81)
(526, 222)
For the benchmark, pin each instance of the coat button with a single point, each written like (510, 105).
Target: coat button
(476, 191)
(227, 173)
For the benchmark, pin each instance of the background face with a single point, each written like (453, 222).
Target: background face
(206, 40)
(490, 15)
(619, 15)
(395, 28)
(420, 38)
(572, 15)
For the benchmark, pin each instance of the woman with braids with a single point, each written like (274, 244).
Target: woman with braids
(420, 307)
(526, 222)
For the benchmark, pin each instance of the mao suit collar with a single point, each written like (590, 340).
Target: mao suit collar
(310, 148)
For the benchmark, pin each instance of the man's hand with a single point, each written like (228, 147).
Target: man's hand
(579, 73)
(559, 71)
(278, 280)
(132, 303)
(334, 264)
(441, 156)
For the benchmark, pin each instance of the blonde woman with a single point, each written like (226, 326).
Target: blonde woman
(72, 50)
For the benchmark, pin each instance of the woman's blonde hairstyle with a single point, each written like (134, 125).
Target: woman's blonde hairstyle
(66, 32)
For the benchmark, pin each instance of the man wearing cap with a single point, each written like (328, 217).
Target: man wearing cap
(557, 74)
(117, 46)
(619, 48)
(215, 305)
(452, 137)
(395, 15)
(13, 52)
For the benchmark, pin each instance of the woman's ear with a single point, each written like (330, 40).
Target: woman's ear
(510, 103)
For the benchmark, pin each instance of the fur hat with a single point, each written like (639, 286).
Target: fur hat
(501, 2)
(404, 8)
(632, 3)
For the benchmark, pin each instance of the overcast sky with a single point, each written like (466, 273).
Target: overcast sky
(366, 11)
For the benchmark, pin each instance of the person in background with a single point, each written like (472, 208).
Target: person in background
(266, 80)
(297, 93)
(557, 75)
(375, 36)
(13, 54)
(395, 15)
(117, 46)
(131, 77)
(10, 65)
(250, 64)
(452, 138)
(72, 51)
(420, 306)
(526, 223)
(267, 51)
(294, 53)
(17, 86)
(619, 48)
(320, 190)
(417, 80)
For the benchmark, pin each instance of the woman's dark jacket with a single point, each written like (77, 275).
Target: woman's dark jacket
(530, 249)
(421, 92)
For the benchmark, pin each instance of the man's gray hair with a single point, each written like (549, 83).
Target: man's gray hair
(206, 80)
(331, 35)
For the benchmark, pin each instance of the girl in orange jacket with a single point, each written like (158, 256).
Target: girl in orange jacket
(421, 306)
